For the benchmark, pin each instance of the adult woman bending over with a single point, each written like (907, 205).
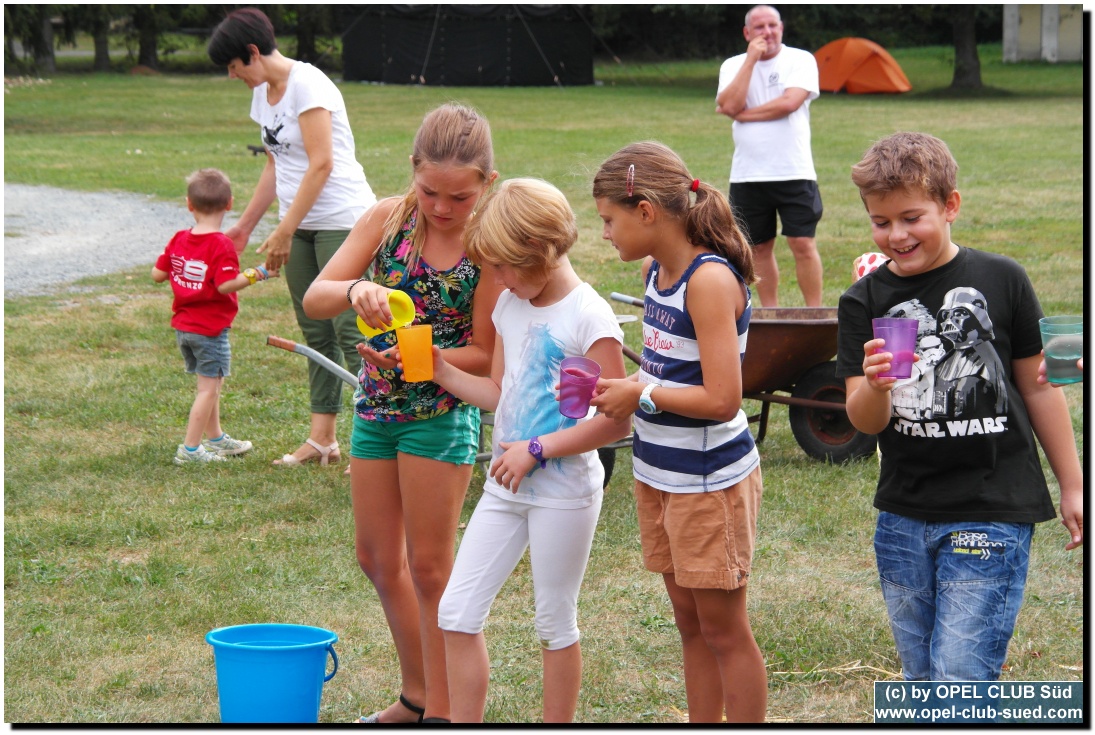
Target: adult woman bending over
(321, 190)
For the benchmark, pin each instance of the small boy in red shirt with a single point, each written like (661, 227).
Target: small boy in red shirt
(204, 271)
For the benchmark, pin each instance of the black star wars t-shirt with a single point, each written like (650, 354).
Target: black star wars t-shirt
(959, 446)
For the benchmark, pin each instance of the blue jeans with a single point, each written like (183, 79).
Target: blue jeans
(953, 592)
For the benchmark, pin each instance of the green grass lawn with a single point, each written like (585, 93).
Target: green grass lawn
(117, 562)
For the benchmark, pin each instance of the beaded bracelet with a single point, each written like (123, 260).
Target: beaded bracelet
(351, 288)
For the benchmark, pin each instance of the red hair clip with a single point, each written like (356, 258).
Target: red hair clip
(695, 184)
(631, 180)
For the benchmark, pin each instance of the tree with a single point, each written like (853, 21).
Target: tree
(98, 24)
(100, 31)
(95, 20)
(148, 34)
(44, 57)
(32, 27)
(307, 23)
(967, 64)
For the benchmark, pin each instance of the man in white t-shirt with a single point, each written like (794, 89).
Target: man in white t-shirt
(767, 92)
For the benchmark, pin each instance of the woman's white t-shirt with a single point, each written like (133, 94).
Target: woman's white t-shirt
(535, 340)
(347, 194)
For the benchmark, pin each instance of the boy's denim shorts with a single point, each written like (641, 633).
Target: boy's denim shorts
(451, 437)
(209, 357)
(953, 592)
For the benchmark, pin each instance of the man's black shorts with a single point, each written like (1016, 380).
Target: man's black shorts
(756, 203)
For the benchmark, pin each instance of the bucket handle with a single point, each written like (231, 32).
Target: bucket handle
(331, 650)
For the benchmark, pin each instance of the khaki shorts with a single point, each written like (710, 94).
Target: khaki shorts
(705, 540)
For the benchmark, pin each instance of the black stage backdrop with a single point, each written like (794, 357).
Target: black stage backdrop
(469, 45)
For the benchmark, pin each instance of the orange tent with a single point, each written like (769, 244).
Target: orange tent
(859, 66)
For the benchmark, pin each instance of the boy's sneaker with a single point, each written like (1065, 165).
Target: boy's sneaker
(198, 456)
(227, 446)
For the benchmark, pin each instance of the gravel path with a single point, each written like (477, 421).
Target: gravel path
(55, 236)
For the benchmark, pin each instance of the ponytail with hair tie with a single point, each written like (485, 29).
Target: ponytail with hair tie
(708, 219)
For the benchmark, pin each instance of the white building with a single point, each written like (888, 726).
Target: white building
(1043, 33)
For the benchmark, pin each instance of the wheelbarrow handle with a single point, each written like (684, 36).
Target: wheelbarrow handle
(285, 344)
(625, 298)
(321, 360)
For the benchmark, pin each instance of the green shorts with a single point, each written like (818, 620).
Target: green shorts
(451, 437)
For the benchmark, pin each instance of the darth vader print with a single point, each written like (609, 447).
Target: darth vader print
(958, 375)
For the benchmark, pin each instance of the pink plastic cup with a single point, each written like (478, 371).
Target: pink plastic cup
(577, 379)
(900, 336)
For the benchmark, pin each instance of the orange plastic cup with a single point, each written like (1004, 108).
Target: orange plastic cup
(416, 352)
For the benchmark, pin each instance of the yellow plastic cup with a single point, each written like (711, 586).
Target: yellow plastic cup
(402, 314)
(416, 352)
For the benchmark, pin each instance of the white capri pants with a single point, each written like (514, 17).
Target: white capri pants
(558, 539)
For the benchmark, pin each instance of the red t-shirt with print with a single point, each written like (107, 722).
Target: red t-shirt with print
(196, 265)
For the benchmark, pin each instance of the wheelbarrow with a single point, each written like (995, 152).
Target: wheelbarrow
(790, 351)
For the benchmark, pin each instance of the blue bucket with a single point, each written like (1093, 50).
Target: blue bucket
(271, 672)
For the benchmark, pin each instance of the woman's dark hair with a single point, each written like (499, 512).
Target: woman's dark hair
(652, 172)
(236, 32)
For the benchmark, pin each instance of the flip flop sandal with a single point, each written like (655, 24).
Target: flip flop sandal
(374, 718)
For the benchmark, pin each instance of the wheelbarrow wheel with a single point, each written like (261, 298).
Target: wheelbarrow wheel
(826, 435)
(607, 456)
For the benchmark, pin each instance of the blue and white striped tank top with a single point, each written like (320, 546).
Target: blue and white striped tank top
(676, 453)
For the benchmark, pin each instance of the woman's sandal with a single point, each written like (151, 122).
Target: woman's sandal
(374, 718)
(326, 455)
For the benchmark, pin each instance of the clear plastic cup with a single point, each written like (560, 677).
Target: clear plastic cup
(1063, 341)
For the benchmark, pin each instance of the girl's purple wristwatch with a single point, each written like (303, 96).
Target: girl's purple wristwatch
(537, 450)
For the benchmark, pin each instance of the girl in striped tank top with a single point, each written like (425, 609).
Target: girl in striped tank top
(697, 470)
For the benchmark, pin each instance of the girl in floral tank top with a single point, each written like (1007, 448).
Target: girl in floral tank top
(442, 299)
(414, 445)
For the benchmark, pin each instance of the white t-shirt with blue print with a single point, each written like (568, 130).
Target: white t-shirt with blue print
(535, 340)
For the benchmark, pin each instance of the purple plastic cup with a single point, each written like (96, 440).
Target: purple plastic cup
(577, 379)
(900, 336)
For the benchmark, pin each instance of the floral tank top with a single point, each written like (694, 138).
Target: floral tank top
(442, 299)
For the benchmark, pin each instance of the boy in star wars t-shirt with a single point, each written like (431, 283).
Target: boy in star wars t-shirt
(960, 484)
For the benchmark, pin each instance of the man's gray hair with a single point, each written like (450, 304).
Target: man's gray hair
(749, 15)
